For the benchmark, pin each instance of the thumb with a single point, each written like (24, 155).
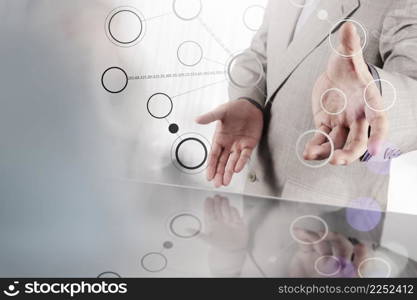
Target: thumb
(350, 42)
(212, 116)
(205, 237)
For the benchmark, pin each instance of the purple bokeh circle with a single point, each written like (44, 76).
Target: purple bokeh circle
(363, 214)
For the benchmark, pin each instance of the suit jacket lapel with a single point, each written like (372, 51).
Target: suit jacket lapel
(315, 32)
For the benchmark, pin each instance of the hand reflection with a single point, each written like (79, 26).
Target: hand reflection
(225, 229)
(227, 236)
(334, 256)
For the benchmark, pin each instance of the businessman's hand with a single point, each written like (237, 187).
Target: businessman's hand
(347, 126)
(239, 129)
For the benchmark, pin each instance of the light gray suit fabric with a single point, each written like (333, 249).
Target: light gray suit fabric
(290, 69)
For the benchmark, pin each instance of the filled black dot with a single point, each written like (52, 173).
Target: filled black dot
(173, 128)
(168, 245)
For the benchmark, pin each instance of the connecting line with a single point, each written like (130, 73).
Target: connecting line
(197, 89)
(156, 17)
(261, 91)
(215, 37)
(176, 75)
(169, 123)
(214, 61)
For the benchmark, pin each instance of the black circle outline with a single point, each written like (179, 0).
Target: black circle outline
(111, 34)
(142, 18)
(109, 272)
(154, 253)
(199, 60)
(187, 19)
(171, 226)
(173, 148)
(123, 88)
(170, 100)
(181, 163)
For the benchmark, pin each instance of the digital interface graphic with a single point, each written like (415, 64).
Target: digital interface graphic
(105, 167)
(128, 27)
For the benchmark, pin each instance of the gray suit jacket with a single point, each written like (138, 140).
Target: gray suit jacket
(290, 69)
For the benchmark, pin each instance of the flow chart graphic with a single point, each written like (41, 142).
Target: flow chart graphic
(190, 54)
(189, 151)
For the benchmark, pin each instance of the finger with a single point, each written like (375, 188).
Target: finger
(342, 247)
(209, 215)
(350, 42)
(205, 237)
(302, 235)
(225, 207)
(235, 215)
(379, 131)
(339, 137)
(355, 146)
(221, 165)
(212, 116)
(317, 147)
(360, 254)
(230, 167)
(322, 247)
(217, 208)
(314, 241)
(243, 159)
(213, 160)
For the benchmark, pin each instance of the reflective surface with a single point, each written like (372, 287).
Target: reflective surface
(131, 229)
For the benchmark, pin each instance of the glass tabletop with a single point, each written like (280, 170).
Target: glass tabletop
(133, 229)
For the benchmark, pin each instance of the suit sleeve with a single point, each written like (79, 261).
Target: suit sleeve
(398, 48)
(247, 74)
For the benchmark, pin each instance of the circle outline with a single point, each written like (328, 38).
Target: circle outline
(171, 105)
(380, 259)
(187, 19)
(165, 260)
(228, 70)
(326, 230)
(142, 21)
(136, 38)
(180, 215)
(181, 163)
(344, 106)
(246, 11)
(118, 91)
(332, 149)
(382, 81)
(323, 15)
(362, 46)
(109, 272)
(339, 269)
(202, 139)
(199, 60)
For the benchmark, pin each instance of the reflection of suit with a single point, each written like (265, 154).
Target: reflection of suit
(290, 71)
(271, 247)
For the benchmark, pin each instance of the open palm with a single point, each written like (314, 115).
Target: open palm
(346, 103)
(238, 132)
